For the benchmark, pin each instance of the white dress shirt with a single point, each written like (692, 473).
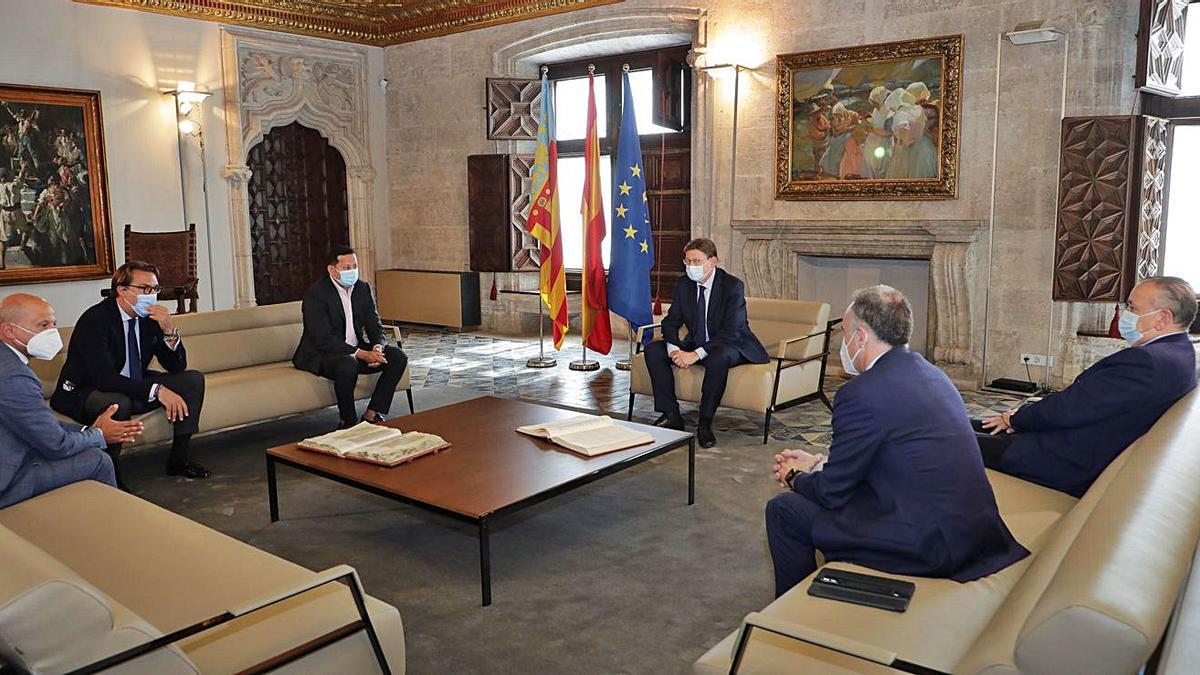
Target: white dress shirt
(708, 289)
(137, 329)
(24, 359)
(344, 294)
(1178, 332)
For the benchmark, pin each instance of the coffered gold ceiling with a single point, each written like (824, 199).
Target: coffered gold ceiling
(373, 22)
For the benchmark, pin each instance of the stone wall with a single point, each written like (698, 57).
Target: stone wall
(436, 119)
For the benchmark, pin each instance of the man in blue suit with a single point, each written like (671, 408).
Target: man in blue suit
(38, 453)
(903, 489)
(711, 303)
(1066, 440)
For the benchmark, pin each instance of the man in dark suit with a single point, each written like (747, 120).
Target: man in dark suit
(108, 362)
(711, 303)
(1066, 440)
(903, 489)
(343, 338)
(38, 453)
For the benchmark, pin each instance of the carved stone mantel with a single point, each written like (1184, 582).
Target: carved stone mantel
(771, 247)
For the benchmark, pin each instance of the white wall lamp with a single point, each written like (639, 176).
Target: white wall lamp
(1025, 34)
(189, 115)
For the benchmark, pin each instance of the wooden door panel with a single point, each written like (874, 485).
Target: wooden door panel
(298, 210)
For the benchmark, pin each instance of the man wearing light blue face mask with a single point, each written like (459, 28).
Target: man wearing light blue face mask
(1067, 439)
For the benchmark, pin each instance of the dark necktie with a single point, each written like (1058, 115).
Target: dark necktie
(135, 352)
(702, 334)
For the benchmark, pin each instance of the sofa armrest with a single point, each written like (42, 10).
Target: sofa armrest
(818, 638)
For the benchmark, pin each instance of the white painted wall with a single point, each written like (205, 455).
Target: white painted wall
(130, 57)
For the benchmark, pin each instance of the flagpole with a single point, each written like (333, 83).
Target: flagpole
(584, 364)
(542, 361)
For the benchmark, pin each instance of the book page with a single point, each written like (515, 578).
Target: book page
(347, 440)
(569, 425)
(399, 447)
(595, 441)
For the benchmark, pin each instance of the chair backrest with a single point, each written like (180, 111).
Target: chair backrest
(1097, 597)
(776, 320)
(174, 253)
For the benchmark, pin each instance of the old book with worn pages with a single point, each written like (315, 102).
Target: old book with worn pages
(366, 442)
(589, 435)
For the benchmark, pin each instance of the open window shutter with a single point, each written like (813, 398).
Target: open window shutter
(524, 251)
(1160, 46)
(513, 105)
(487, 213)
(669, 76)
(1095, 235)
(1155, 133)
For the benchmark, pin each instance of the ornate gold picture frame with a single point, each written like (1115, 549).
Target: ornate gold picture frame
(873, 122)
(54, 213)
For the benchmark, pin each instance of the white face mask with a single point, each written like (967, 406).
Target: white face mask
(848, 359)
(696, 272)
(44, 345)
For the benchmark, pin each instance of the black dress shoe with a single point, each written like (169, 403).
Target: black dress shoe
(343, 424)
(379, 419)
(192, 470)
(670, 421)
(705, 435)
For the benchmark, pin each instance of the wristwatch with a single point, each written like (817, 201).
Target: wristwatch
(791, 476)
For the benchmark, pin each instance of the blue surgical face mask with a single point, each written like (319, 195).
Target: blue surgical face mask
(1128, 326)
(144, 303)
(348, 278)
(695, 272)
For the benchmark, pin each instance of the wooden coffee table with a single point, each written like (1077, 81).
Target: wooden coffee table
(489, 471)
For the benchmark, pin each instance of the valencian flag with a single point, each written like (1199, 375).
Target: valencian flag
(632, 246)
(543, 217)
(597, 334)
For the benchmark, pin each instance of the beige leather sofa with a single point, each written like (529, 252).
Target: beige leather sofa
(90, 571)
(1095, 597)
(246, 357)
(795, 334)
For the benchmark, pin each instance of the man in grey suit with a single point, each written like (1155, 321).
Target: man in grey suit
(38, 453)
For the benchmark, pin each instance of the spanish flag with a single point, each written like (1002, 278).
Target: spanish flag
(597, 333)
(543, 218)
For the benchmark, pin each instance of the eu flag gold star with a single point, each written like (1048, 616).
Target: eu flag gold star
(621, 211)
(637, 170)
(624, 188)
(645, 247)
(644, 197)
(630, 232)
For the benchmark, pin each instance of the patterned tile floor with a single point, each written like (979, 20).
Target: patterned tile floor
(496, 365)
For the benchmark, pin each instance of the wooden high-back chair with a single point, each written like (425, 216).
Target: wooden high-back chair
(174, 253)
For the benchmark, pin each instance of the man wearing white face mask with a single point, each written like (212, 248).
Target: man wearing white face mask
(1066, 440)
(903, 489)
(108, 362)
(37, 452)
(343, 338)
(711, 304)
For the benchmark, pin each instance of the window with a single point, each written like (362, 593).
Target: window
(1183, 206)
(1191, 51)
(570, 116)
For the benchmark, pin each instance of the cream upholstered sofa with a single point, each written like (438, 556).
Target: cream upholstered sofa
(90, 571)
(1094, 597)
(246, 357)
(795, 334)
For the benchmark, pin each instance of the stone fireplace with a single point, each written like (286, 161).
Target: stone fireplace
(770, 263)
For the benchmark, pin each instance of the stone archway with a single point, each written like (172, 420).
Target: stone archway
(274, 81)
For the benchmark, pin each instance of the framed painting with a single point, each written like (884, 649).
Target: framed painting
(871, 122)
(54, 215)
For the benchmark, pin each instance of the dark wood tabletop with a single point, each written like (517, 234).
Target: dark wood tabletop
(488, 467)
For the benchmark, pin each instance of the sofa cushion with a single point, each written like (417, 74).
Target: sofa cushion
(214, 352)
(52, 621)
(141, 564)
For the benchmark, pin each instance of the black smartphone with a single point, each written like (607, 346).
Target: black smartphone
(862, 589)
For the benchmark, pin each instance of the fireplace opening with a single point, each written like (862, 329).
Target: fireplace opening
(832, 280)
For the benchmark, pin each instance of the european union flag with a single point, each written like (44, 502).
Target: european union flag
(632, 244)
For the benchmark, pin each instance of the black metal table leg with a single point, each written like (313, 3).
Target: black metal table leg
(692, 471)
(272, 490)
(485, 563)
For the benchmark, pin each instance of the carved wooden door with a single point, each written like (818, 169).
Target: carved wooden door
(298, 210)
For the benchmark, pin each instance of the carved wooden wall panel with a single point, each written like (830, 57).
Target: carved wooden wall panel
(526, 253)
(1095, 230)
(513, 106)
(298, 211)
(1155, 136)
(1160, 45)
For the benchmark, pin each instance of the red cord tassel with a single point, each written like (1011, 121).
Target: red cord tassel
(1114, 328)
(495, 293)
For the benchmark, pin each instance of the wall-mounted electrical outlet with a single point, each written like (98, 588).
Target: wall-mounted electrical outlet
(1035, 359)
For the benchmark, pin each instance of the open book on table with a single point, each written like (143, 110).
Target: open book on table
(589, 435)
(366, 442)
